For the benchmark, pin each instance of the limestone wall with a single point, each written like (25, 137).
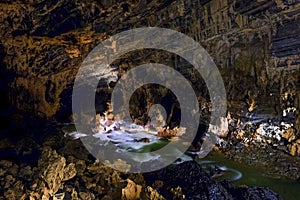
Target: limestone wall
(256, 44)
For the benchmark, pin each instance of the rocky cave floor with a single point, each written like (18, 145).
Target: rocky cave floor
(255, 43)
(270, 143)
(52, 166)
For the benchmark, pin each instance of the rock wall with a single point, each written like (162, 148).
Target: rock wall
(256, 44)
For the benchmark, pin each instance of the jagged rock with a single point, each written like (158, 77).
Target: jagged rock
(254, 44)
(105, 180)
(294, 143)
(6, 164)
(177, 193)
(74, 195)
(9, 181)
(170, 134)
(196, 184)
(9, 194)
(80, 167)
(290, 134)
(57, 35)
(26, 173)
(294, 149)
(119, 164)
(69, 172)
(153, 194)
(132, 191)
(87, 195)
(54, 171)
(16, 191)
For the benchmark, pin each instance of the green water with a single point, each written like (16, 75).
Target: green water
(251, 176)
(254, 176)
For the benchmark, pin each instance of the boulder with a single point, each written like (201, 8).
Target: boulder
(294, 148)
(194, 183)
(290, 134)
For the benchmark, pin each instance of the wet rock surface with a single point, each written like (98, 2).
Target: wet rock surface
(42, 44)
(194, 183)
(74, 175)
(270, 144)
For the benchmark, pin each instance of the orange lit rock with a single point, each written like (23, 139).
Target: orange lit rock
(132, 191)
(290, 134)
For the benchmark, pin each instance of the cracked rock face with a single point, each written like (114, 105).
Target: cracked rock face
(54, 171)
(255, 44)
